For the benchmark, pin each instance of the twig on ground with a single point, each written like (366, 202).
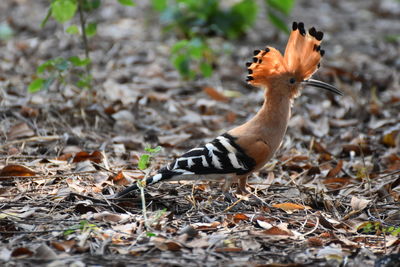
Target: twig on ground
(33, 139)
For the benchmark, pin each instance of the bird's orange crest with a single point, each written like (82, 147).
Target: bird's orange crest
(301, 59)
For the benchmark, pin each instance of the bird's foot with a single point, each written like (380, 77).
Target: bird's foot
(230, 197)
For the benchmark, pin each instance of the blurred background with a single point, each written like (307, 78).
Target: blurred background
(150, 67)
(82, 76)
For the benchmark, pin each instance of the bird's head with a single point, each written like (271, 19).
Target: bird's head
(287, 73)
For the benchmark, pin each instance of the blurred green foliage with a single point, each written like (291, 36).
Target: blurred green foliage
(57, 69)
(277, 11)
(84, 226)
(5, 31)
(192, 18)
(378, 227)
(195, 21)
(192, 56)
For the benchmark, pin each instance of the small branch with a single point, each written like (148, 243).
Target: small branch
(141, 184)
(84, 37)
(312, 230)
(33, 139)
(233, 205)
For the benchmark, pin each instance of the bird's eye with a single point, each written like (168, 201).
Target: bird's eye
(292, 80)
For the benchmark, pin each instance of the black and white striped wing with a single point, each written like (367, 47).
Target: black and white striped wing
(220, 156)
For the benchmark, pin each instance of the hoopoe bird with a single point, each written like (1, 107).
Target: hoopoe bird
(236, 154)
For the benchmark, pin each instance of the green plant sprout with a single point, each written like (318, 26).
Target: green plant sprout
(143, 165)
(63, 11)
(56, 70)
(83, 225)
(373, 227)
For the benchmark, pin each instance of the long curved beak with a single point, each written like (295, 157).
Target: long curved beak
(323, 85)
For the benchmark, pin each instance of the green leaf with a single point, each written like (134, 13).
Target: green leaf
(91, 29)
(61, 64)
(393, 38)
(247, 9)
(5, 31)
(177, 47)
(159, 5)
(284, 6)
(153, 150)
(90, 5)
(144, 161)
(76, 61)
(69, 231)
(83, 225)
(63, 10)
(150, 234)
(206, 69)
(182, 63)
(196, 48)
(73, 29)
(278, 22)
(36, 85)
(47, 83)
(85, 81)
(47, 65)
(396, 231)
(126, 2)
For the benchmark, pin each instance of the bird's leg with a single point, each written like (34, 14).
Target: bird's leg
(241, 189)
(229, 179)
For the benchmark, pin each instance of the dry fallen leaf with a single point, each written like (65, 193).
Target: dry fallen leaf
(21, 252)
(16, 170)
(206, 226)
(202, 242)
(20, 130)
(290, 207)
(231, 117)
(333, 251)
(263, 224)
(335, 171)
(106, 216)
(65, 245)
(315, 242)
(240, 217)
(127, 229)
(336, 183)
(174, 139)
(277, 230)
(325, 222)
(390, 138)
(44, 252)
(229, 249)
(214, 94)
(119, 179)
(358, 204)
(29, 112)
(96, 156)
(166, 245)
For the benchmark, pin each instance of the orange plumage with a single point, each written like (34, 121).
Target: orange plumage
(301, 59)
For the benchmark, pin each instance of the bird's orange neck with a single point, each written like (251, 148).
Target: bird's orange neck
(272, 119)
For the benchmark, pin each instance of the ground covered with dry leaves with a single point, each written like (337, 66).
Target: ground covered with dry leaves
(330, 197)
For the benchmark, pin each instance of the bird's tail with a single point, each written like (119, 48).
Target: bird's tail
(151, 180)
